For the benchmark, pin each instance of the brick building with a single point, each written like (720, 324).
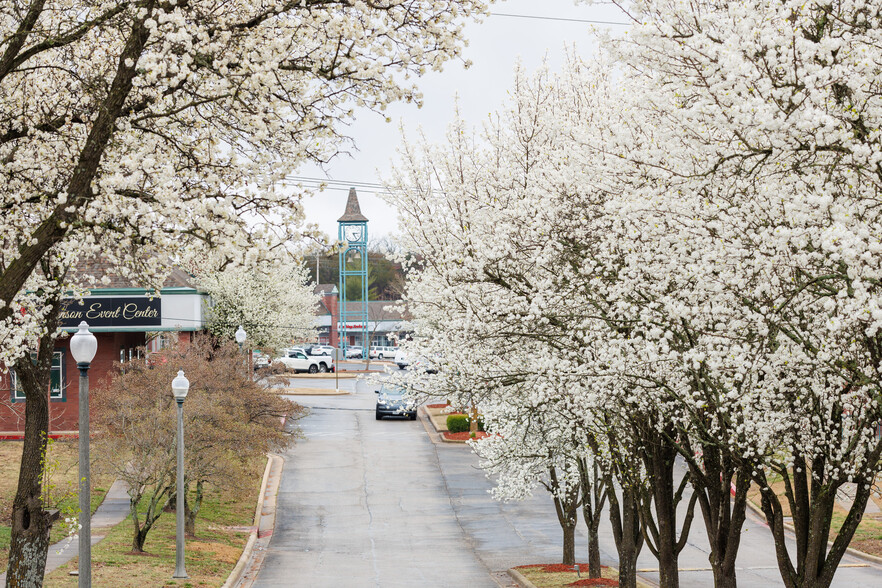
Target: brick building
(384, 325)
(126, 320)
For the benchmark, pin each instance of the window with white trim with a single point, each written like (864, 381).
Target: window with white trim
(56, 381)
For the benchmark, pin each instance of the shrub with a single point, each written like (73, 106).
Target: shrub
(457, 423)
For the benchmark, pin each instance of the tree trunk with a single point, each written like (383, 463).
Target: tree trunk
(31, 523)
(659, 461)
(724, 577)
(593, 499)
(625, 518)
(595, 570)
(154, 509)
(566, 505)
(29, 544)
(568, 557)
(723, 515)
(192, 511)
(812, 499)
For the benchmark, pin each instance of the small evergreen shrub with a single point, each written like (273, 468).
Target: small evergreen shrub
(457, 423)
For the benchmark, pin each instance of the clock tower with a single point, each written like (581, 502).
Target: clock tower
(352, 228)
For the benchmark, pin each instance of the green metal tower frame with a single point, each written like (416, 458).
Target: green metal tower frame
(353, 262)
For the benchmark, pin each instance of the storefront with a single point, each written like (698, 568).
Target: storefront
(384, 327)
(127, 322)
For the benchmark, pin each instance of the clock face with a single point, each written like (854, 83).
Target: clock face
(353, 233)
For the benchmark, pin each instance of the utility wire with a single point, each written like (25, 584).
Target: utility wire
(560, 18)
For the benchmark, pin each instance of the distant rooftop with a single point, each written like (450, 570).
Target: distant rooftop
(99, 267)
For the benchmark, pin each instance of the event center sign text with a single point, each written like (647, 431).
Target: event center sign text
(113, 312)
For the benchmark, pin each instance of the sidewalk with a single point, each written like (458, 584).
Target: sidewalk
(112, 511)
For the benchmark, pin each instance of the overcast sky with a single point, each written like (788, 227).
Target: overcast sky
(526, 30)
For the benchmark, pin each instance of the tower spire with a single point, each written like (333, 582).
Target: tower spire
(353, 211)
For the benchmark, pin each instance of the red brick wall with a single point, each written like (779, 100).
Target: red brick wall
(331, 302)
(63, 414)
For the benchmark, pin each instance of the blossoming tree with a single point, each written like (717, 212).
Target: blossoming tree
(169, 128)
(274, 305)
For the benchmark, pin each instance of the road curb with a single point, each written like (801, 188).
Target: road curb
(850, 550)
(424, 416)
(520, 579)
(308, 392)
(347, 375)
(236, 575)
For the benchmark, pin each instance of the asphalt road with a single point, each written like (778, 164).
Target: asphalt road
(376, 503)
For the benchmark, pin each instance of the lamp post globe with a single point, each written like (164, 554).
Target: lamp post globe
(83, 347)
(241, 335)
(180, 387)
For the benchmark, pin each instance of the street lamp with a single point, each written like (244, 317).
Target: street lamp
(83, 346)
(180, 387)
(241, 335)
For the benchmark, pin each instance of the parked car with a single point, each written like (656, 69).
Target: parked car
(423, 363)
(392, 402)
(260, 360)
(321, 350)
(354, 353)
(420, 362)
(298, 361)
(382, 352)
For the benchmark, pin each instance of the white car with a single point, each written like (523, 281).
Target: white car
(297, 361)
(354, 353)
(401, 359)
(382, 352)
(260, 360)
(321, 350)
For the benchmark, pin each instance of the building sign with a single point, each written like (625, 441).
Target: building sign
(113, 312)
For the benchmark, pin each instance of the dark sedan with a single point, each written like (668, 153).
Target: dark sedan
(391, 402)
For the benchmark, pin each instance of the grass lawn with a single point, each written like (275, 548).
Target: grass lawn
(62, 461)
(222, 530)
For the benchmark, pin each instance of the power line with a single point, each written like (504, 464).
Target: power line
(562, 19)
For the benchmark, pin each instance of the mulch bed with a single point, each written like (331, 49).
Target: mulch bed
(464, 436)
(595, 582)
(557, 568)
(437, 405)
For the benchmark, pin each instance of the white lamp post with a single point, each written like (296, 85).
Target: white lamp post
(83, 346)
(180, 387)
(241, 335)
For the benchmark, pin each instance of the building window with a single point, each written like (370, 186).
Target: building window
(56, 378)
(17, 392)
(57, 387)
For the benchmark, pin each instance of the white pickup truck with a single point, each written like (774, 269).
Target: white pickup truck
(296, 360)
